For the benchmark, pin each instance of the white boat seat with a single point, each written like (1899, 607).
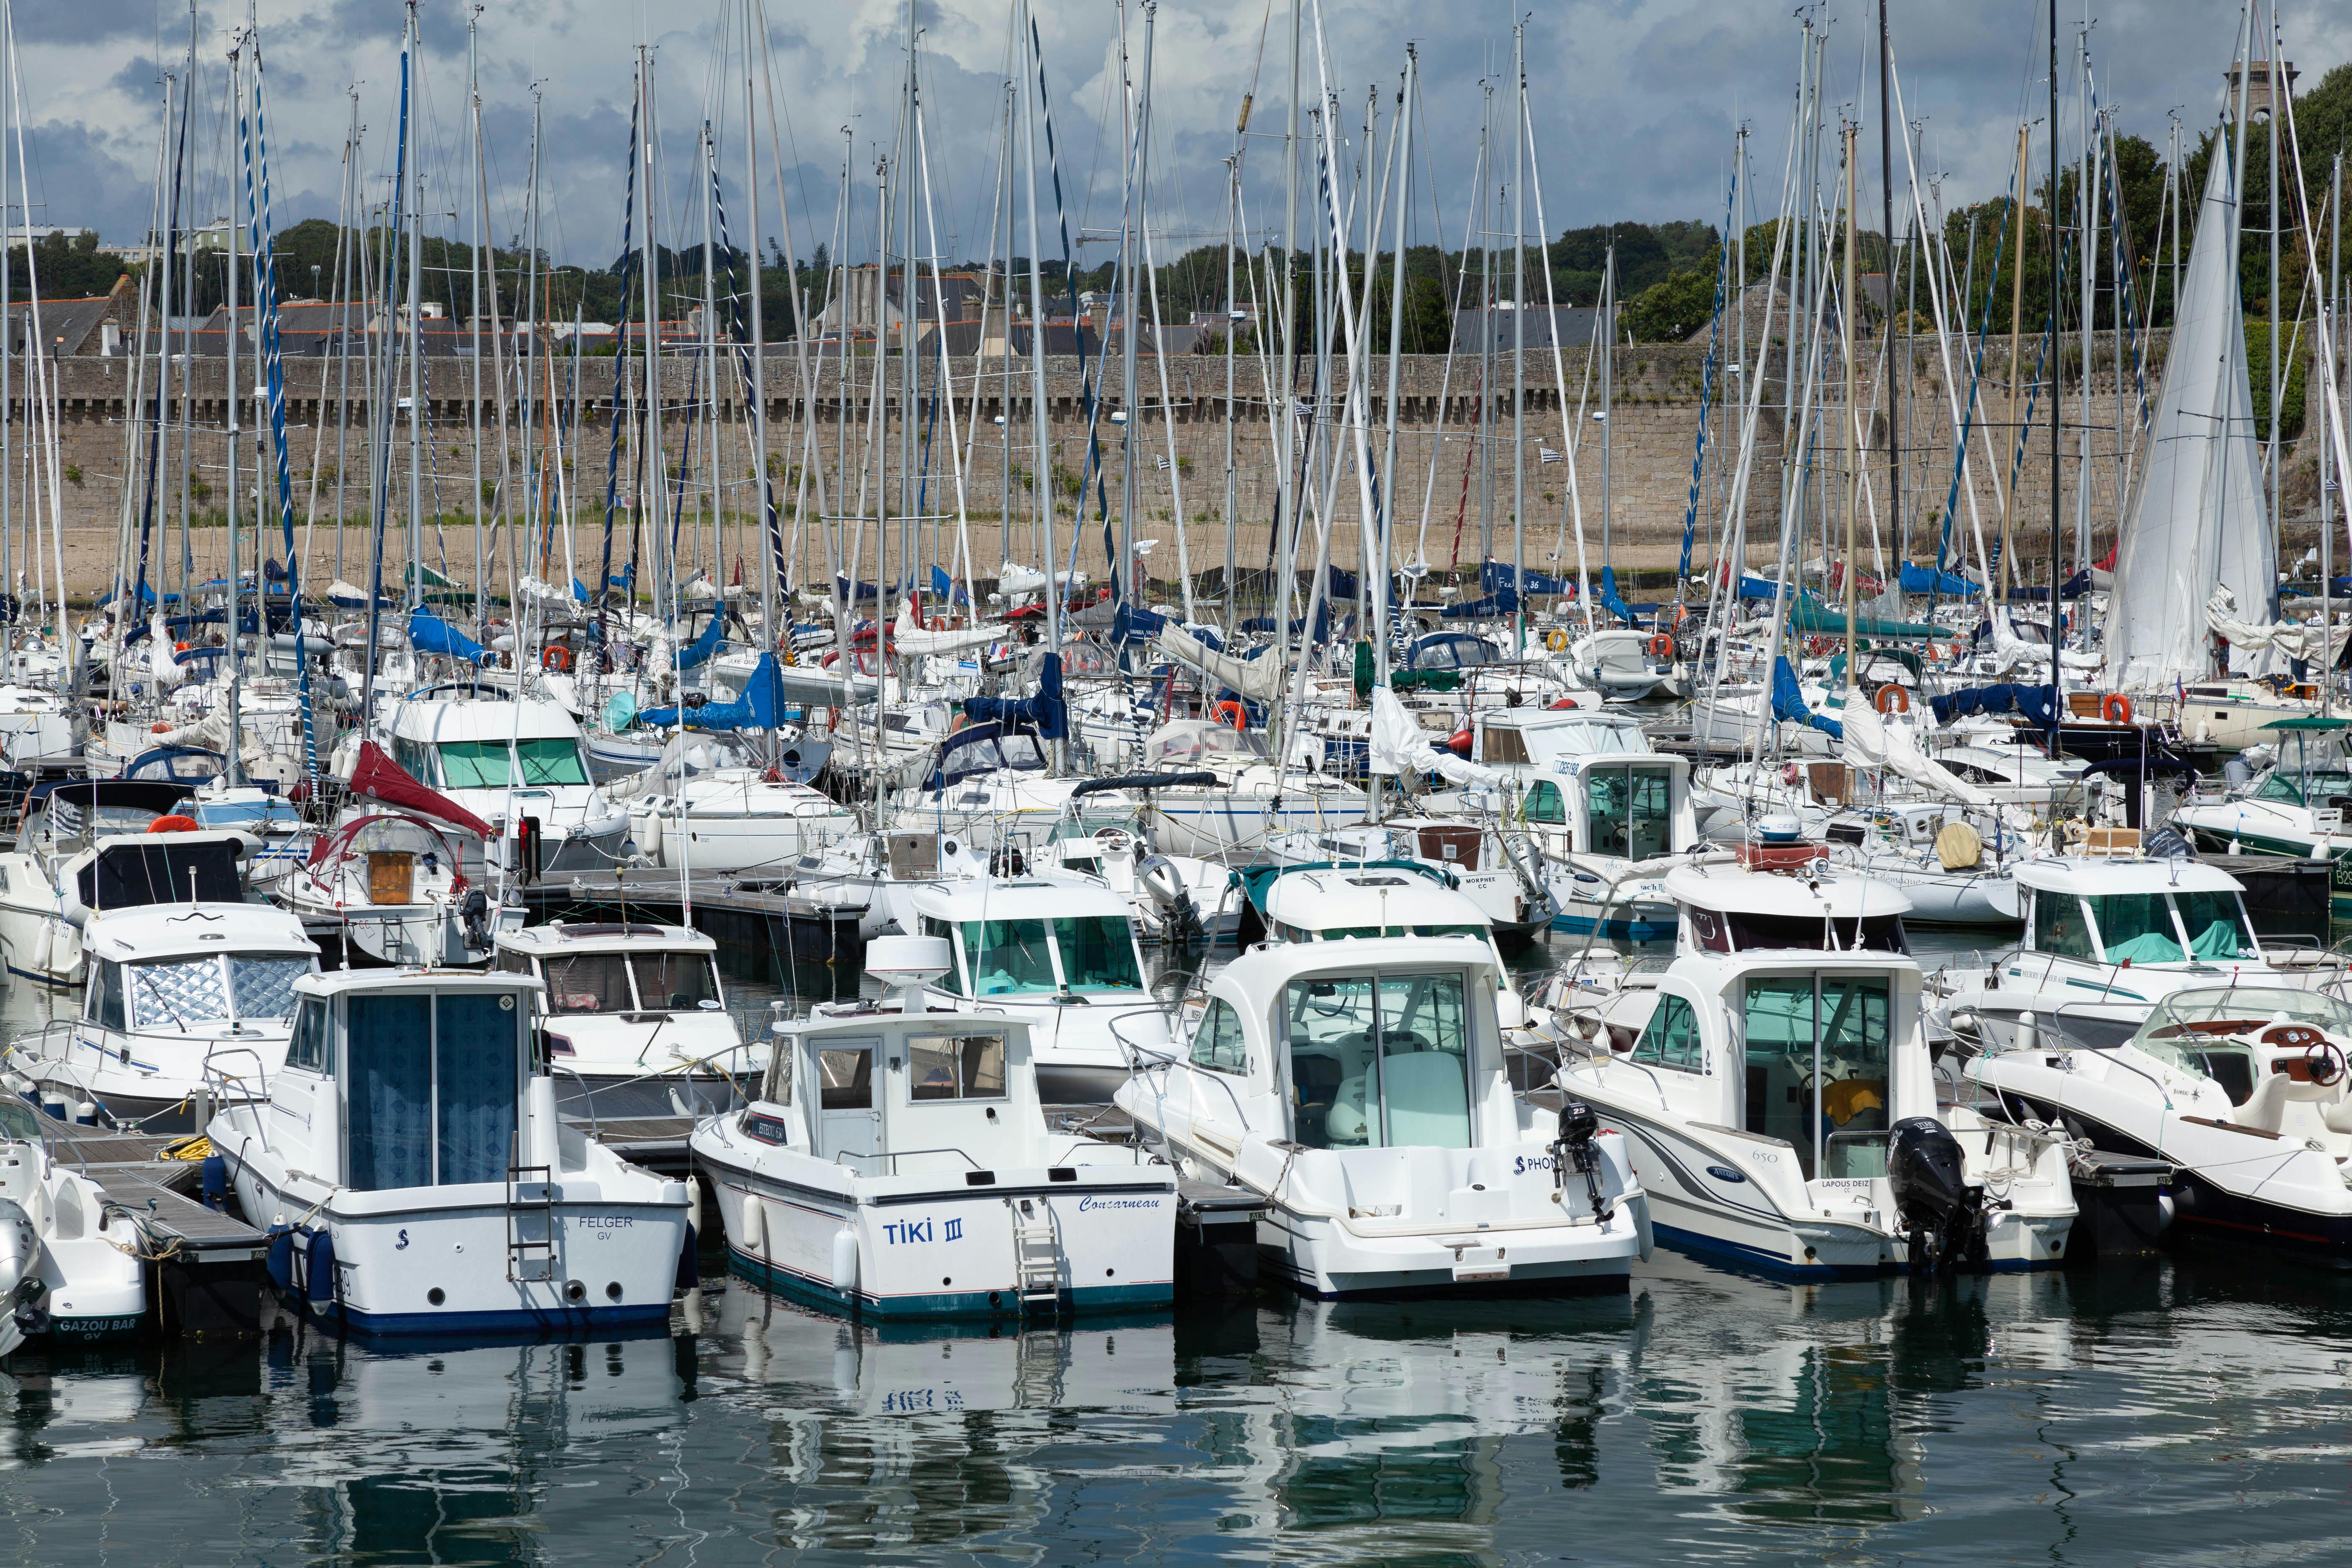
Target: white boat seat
(2266, 1107)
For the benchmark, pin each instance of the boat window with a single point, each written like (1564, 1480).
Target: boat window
(779, 1090)
(2059, 926)
(1872, 933)
(1020, 752)
(2295, 787)
(1008, 956)
(1711, 931)
(178, 993)
(263, 984)
(106, 997)
(2217, 928)
(953, 1067)
(846, 1080)
(1097, 954)
(1502, 745)
(1217, 1044)
(434, 1089)
(308, 1046)
(2136, 927)
(510, 961)
(589, 982)
(676, 981)
(1817, 1053)
(1672, 1038)
(1544, 803)
(1631, 809)
(474, 764)
(551, 760)
(415, 759)
(1751, 932)
(20, 1123)
(1379, 1062)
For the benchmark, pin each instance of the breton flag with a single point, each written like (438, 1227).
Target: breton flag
(1544, 454)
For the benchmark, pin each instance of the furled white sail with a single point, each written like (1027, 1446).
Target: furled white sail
(1260, 678)
(2197, 516)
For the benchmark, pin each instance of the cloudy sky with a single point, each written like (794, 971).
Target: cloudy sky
(1635, 103)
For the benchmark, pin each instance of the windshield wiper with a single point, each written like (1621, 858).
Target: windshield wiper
(150, 982)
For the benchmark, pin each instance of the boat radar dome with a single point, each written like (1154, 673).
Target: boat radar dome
(1779, 828)
(907, 964)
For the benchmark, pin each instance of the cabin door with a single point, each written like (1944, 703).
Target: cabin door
(850, 1106)
(1818, 1060)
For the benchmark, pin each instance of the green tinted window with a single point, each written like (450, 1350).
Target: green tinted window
(474, 764)
(1097, 954)
(551, 760)
(1672, 1038)
(2059, 926)
(1008, 955)
(1544, 804)
(2139, 926)
(2216, 925)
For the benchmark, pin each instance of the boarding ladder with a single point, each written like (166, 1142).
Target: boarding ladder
(530, 1222)
(1037, 1256)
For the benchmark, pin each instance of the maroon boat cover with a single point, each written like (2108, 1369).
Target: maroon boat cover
(378, 777)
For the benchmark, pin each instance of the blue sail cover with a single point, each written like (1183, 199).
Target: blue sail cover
(1754, 587)
(579, 590)
(2034, 702)
(700, 651)
(1044, 713)
(1494, 576)
(757, 709)
(2074, 587)
(1132, 625)
(428, 633)
(1789, 702)
(1919, 579)
(1606, 597)
(1500, 603)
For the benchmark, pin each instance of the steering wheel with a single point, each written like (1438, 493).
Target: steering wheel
(2326, 1063)
(1115, 840)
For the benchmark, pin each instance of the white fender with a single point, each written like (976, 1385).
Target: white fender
(650, 836)
(844, 1258)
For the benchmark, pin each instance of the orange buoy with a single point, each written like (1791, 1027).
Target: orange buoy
(2117, 709)
(175, 823)
(556, 657)
(1232, 713)
(1892, 699)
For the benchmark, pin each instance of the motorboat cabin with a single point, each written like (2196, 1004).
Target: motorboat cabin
(417, 1179)
(1360, 1087)
(1062, 955)
(510, 761)
(896, 1160)
(103, 844)
(636, 1020)
(184, 1003)
(1773, 1079)
(2105, 936)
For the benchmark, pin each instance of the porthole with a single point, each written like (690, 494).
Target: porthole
(437, 1295)
(612, 1291)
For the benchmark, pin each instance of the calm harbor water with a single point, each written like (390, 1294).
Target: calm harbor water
(2195, 1408)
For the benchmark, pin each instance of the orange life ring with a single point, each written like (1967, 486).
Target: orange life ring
(1232, 713)
(175, 823)
(557, 657)
(2117, 709)
(937, 623)
(1892, 699)
(159, 728)
(1662, 646)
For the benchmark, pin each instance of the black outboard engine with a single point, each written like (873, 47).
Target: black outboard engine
(1579, 1126)
(1943, 1214)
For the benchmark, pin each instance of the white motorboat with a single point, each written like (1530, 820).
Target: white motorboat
(1250, 801)
(635, 1017)
(703, 807)
(1360, 1087)
(415, 1178)
(1504, 873)
(389, 887)
(1059, 953)
(70, 1268)
(988, 783)
(2105, 939)
(2240, 1088)
(896, 1161)
(518, 762)
(1778, 1092)
(182, 1001)
(103, 844)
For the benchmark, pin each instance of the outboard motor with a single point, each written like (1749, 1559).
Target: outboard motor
(1163, 884)
(1943, 1214)
(1580, 1127)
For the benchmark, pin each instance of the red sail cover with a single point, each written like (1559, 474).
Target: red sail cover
(378, 777)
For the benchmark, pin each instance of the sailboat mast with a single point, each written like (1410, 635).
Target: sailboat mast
(2057, 392)
(474, 282)
(771, 539)
(1519, 342)
(1853, 408)
(416, 436)
(1887, 320)
(236, 430)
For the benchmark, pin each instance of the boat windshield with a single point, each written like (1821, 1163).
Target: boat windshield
(2177, 1028)
(1180, 745)
(1097, 954)
(1753, 932)
(1007, 956)
(2295, 786)
(2139, 928)
(674, 982)
(589, 982)
(488, 765)
(181, 993)
(1380, 1061)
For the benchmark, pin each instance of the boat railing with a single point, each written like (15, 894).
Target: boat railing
(678, 1071)
(894, 1156)
(224, 1086)
(2112, 1053)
